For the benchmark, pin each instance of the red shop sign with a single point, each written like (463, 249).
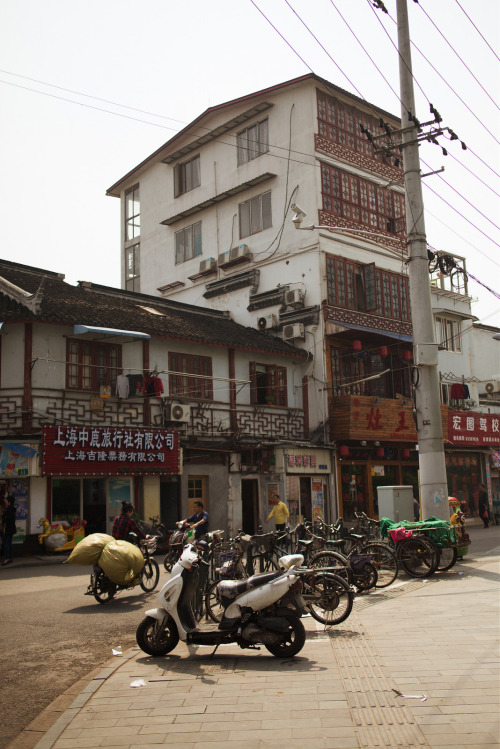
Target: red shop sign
(109, 451)
(471, 428)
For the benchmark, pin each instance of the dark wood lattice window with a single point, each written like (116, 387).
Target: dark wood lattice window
(190, 376)
(268, 384)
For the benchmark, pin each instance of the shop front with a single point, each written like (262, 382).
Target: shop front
(376, 440)
(474, 440)
(18, 467)
(91, 470)
(308, 475)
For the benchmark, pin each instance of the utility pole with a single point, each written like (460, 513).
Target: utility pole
(433, 483)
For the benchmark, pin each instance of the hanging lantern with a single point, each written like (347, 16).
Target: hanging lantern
(407, 355)
(380, 452)
(405, 453)
(356, 346)
(344, 451)
(383, 351)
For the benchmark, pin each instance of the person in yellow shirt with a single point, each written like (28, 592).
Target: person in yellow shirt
(280, 514)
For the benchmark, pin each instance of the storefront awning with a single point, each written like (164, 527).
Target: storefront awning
(79, 329)
(389, 334)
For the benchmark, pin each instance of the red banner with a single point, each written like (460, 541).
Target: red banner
(109, 451)
(471, 428)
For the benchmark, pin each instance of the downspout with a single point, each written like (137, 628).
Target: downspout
(27, 391)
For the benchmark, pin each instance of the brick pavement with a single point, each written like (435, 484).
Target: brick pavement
(438, 638)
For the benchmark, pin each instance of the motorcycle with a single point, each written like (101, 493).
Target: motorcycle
(176, 542)
(159, 530)
(263, 609)
(103, 589)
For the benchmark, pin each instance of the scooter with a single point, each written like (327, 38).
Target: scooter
(176, 542)
(264, 609)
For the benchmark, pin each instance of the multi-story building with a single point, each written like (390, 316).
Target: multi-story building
(207, 219)
(109, 395)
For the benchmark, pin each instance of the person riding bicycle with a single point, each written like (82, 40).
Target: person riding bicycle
(124, 524)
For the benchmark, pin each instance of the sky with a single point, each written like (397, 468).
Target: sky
(89, 89)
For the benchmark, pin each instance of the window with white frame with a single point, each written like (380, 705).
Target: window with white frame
(132, 213)
(188, 243)
(448, 334)
(187, 176)
(132, 261)
(255, 215)
(252, 142)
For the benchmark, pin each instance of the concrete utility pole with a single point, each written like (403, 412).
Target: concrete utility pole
(433, 483)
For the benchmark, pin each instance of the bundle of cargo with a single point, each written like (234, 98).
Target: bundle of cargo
(121, 561)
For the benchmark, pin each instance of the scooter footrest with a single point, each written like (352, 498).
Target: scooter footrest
(228, 624)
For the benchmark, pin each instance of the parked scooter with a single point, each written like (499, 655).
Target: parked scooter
(264, 609)
(176, 542)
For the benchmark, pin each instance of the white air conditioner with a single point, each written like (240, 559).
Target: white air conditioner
(290, 332)
(294, 298)
(177, 412)
(240, 251)
(223, 257)
(492, 387)
(269, 321)
(207, 264)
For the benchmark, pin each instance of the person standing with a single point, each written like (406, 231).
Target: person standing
(280, 514)
(9, 529)
(483, 505)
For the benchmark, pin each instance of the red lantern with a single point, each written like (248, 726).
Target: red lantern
(356, 346)
(344, 451)
(407, 355)
(405, 453)
(383, 351)
(380, 452)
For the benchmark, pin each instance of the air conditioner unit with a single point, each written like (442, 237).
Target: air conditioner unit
(223, 257)
(207, 264)
(290, 332)
(492, 387)
(269, 321)
(177, 412)
(240, 251)
(294, 298)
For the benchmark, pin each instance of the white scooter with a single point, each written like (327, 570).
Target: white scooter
(264, 609)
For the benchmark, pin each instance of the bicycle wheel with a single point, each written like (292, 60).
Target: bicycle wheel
(417, 557)
(447, 557)
(338, 563)
(213, 605)
(365, 577)
(150, 575)
(333, 598)
(385, 562)
(262, 563)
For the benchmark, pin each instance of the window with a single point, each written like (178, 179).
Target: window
(252, 142)
(268, 384)
(449, 334)
(188, 243)
(186, 176)
(347, 368)
(91, 364)
(197, 492)
(341, 124)
(132, 213)
(255, 215)
(132, 268)
(199, 384)
(362, 202)
(367, 289)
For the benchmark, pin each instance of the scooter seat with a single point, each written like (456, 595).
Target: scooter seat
(231, 589)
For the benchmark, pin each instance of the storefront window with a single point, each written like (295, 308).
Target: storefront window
(464, 475)
(65, 500)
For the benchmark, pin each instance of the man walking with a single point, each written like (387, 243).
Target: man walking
(483, 505)
(280, 514)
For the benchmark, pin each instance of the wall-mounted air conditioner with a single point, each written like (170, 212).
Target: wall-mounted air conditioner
(290, 332)
(294, 298)
(240, 251)
(177, 412)
(492, 387)
(208, 264)
(269, 321)
(223, 257)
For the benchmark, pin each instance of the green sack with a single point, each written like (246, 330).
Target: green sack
(122, 562)
(89, 549)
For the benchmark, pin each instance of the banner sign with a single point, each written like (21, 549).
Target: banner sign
(107, 451)
(471, 428)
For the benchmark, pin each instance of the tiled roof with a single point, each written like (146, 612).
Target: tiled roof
(104, 306)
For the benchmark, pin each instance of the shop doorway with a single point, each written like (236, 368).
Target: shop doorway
(76, 499)
(305, 498)
(249, 505)
(94, 505)
(170, 511)
(354, 490)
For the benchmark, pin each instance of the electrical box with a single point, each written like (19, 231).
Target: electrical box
(395, 503)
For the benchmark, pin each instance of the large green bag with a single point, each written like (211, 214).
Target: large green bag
(89, 549)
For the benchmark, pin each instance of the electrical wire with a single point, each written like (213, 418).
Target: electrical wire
(480, 34)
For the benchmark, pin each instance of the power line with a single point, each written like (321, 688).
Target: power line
(480, 34)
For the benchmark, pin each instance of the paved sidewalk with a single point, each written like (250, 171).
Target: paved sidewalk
(415, 665)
